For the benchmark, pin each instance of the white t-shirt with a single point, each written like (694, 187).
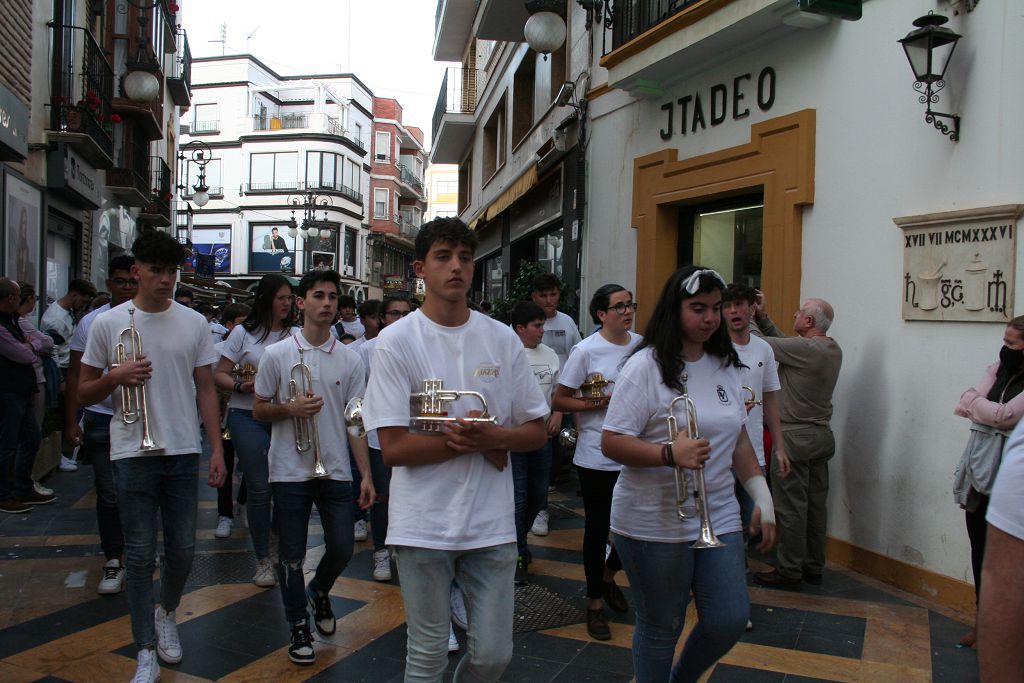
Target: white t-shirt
(365, 351)
(465, 502)
(218, 331)
(78, 342)
(594, 354)
(337, 378)
(355, 328)
(761, 375)
(58, 319)
(644, 501)
(242, 347)
(1006, 506)
(560, 335)
(176, 341)
(545, 366)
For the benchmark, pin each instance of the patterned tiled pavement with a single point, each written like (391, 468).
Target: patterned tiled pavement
(54, 627)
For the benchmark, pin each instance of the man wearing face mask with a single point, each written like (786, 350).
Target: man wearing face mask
(994, 407)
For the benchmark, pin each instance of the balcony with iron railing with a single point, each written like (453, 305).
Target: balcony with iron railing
(410, 185)
(630, 18)
(288, 186)
(306, 122)
(130, 179)
(81, 110)
(158, 211)
(453, 27)
(454, 114)
(179, 78)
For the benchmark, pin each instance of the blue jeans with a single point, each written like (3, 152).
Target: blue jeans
(168, 483)
(662, 576)
(530, 474)
(96, 447)
(381, 474)
(486, 577)
(293, 501)
(19, 443)
(251, 439)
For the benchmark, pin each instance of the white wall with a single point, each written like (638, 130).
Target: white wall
(876, 159)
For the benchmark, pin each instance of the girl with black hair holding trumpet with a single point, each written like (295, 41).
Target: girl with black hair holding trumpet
(685, 350)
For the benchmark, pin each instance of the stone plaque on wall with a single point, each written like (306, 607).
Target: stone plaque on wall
(960, 265)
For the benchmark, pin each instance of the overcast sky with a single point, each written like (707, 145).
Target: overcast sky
(387, 44)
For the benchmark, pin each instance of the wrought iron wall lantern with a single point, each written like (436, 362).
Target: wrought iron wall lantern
(929, 48)
(309, 202)
(140, 83)
(198, 153)
(545, 29)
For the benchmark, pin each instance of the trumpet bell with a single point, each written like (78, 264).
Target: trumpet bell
(568, 437)
(354, 417)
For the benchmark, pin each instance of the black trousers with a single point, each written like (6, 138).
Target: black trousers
(977, 531)
(597, 487)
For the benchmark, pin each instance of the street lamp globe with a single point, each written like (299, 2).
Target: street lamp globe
(201, 198)
(141, 86)
(545, 32)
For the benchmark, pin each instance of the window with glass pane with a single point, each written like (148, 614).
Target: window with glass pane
(205, 118)
(354, 176)
(494, 279)
(382, 147)
(549, 252)
(313, 169)
(727, 238)
(380, 203)
(286, 170)
(350, 249)
(327, 170)
(261, 171)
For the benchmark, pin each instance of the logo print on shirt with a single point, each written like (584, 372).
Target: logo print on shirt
(722, 396)
(487, 372)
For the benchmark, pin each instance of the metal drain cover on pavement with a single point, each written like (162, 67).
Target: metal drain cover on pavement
(213, 568)
(537, 609)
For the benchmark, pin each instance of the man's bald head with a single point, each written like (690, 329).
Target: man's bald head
(821, 311)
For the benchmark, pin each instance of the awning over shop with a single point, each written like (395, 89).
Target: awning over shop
(206, 287)
(516, 190)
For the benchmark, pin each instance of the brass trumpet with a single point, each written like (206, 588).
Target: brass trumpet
(242, 373)
(134, 407)
(751, 399)
(307, 437)
(427, 408)
(594, 388)
(707, 538)
(354, 417)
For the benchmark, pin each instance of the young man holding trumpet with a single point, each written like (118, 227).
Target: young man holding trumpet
(303, 384)
(159, 356)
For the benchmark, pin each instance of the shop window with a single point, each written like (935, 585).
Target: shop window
(725, 236)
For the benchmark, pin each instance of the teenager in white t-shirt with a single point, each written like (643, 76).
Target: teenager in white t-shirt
(269, 321)
(531, 471)
(686, 349)
(451, 504)
(175, 369)
(602, 354)
(336, 376)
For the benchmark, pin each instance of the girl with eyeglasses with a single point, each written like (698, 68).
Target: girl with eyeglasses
(584, 387)
(270, 320)
(685, 349)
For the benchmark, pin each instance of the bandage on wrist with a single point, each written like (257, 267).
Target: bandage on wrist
(757, 487)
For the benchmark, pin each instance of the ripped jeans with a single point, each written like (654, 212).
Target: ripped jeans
(293, 502)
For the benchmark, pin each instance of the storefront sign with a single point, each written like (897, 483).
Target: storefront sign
(712, 107)
(395, 283)
(13, 127)
(73, 176)
(960, 265)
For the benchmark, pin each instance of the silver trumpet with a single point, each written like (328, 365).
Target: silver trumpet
(354, 417)
(134, 407)
(568, 437)
(707, 538)
(428, 411)
(307, 437)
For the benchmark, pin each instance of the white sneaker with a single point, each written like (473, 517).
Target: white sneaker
(68, 465)
(360, 530)
(540, 524)
(453, 642)
(148, 670)
(382, 565)
(168, 646)
(458, 605)
(265, 576)
(113, 578)
(224, 525)
(42, 490)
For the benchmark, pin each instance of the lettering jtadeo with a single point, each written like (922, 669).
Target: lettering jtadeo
(699, 110)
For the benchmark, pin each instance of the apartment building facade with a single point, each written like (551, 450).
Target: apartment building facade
(286, 161)
(399, 199)
(90, 95)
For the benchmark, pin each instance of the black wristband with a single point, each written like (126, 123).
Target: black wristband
(238, 386)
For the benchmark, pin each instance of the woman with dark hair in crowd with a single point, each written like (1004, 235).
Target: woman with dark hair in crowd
(994, 407)
(685, 350)
(270, 320)
(584, 387)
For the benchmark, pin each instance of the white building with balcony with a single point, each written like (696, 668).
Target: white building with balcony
(280, 149)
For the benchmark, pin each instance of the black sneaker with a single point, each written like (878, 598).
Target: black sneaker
(522, 577)
(301, 650)
(35, 498)
(323, 617)
(14, 507)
